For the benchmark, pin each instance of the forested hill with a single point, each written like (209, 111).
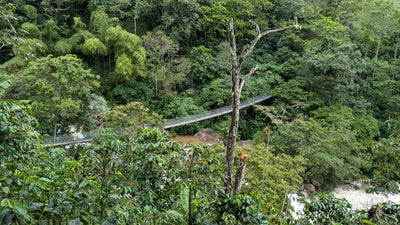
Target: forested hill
(126, 64)
(173, 57)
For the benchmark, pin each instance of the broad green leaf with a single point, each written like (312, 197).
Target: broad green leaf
(71, 163)
(5, 190)
(7, 203)
(45, 179)
(3, 86)
(41, 184)
(21, 209)
(94, 184)
(368, 222)
(7, 164)
(83, 184)
(120, 174)
(185, 197)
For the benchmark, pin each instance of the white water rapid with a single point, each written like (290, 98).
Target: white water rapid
(358, 198)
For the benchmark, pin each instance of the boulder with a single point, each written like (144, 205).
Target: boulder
(358, 186)
(316, 183)
(208, 136)
(301, 187)
(309, 187)
(301, 194)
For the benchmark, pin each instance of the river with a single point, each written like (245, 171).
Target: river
(358, 198)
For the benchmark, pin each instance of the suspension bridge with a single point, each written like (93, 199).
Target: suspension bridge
(69, 139)
(213, 113)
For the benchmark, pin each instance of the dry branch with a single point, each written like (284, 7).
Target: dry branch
(237, 86)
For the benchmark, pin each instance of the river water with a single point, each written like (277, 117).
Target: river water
(359, 199)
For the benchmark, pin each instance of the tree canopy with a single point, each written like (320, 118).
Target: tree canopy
(129, 65)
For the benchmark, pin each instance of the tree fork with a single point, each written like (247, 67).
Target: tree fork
(237, 86)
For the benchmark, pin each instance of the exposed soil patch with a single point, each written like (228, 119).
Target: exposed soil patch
(188, 140)
(205, 136)
(241, 144)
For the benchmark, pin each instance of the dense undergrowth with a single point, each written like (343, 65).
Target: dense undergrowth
(125, 65)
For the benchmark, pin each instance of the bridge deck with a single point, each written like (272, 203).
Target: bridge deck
(70, 139)
(213, 113)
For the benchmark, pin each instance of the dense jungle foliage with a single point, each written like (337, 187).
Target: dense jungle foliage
(125, 65)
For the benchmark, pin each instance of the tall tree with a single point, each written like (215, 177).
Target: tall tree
(128, 118)
(8, 34)
(237, 86)
(59, 88)
(137, 10)
(161, 49)
(128, 53)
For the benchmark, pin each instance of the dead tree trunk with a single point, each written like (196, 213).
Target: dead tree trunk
(237, 86)
(240, 173)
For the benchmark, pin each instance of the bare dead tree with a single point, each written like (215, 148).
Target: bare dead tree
(240, 173)
(237, 86)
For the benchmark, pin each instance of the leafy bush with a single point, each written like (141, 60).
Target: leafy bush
(327, 209)
(333, 154)
(240, 209)
(131, 116)
(272, 176)
(182, 107)
(384, 213)
(385, 164)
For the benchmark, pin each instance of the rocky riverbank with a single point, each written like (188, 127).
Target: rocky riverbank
(355, 193)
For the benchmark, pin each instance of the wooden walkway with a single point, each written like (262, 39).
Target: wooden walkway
(213, 113)
(68, 139)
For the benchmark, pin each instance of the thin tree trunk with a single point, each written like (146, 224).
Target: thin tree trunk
(315, 8)
(366, 49)
(266, 159)
(190, 205)
(190, 190)
(134, 22)
(237, 86)
(285, 198)
(235, 108)
(393, 73)
(156, 83)
(240, 173)
(55, 128)
(377, 49)
(277, 175)
(373, 72)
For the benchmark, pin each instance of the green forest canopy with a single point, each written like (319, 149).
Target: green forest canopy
(335, 82)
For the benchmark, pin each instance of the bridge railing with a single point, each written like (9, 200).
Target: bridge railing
(67, 139)
(213, 113)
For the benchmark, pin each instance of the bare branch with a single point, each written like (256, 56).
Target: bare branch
(278, 30)
(245, 78)
(237, 86)
(244, 54)
(257, 27)
(60, 9)
(232, 41)
(9, 23)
